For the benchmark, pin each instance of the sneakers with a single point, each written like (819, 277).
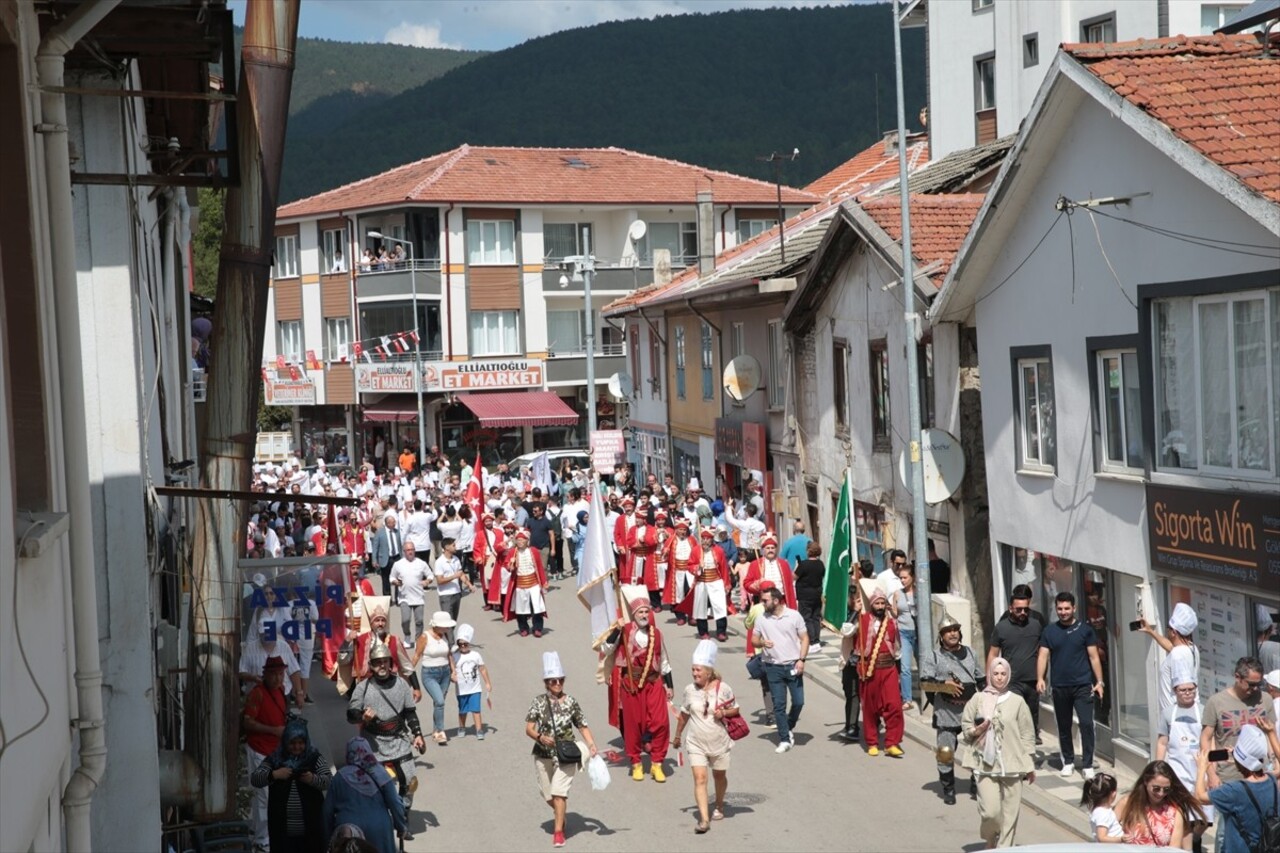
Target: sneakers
(721, 637)
(894, 752)
(873, 751)
(462, 732)
(557, 840)
(480, 735)
(658, 775)
(1089, 773)
(850, 733)
(785, 746)
(1067, 769)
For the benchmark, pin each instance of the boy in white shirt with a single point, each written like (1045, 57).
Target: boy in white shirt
(469, 671)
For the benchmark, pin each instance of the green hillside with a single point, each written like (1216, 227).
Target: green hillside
(719, 90)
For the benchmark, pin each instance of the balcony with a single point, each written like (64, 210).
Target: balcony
(571, 365)
(607, 278)
(399, 280)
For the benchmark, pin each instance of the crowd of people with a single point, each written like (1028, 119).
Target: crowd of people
(426, 526)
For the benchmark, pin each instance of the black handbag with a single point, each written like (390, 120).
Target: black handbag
(567, 751)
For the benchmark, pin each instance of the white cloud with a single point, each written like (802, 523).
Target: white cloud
(418, 35)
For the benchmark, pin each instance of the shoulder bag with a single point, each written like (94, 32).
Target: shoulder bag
(736, 725)
(567, 751)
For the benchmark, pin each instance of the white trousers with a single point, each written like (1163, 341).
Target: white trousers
(257, 800)
(710, 596)
(529, 601)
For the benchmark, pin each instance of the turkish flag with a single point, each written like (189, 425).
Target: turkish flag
(280, 362)
(294, 373)
(474, 497)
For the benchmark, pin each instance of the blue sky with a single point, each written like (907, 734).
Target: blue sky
(489, 24)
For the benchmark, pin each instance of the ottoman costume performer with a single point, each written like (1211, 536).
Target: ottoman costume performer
(641, 566)
(951, 673)
(640, 688)
(682, 558)
(710, 593)
(382, 705)
(622, 529)
(878, 648)
(661, 564)
(401, 659)
(769, 567)
(525, 599)
(494, 549)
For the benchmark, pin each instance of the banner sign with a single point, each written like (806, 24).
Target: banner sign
(290, 392)
(379, 378)
(1221, 536)
(482, 375)
(608, 450)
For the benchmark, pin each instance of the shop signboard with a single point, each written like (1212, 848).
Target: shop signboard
(608, 450)
(384, 378)
(290, 392)
(741, 443)
(482, 375)
(754, 446)
(1231, 537)
(729, 441)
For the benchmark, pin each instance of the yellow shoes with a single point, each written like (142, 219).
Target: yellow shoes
(873, 750)
(637, 772)
(893, 752)
(658, 775)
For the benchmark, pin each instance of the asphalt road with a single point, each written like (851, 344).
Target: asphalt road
(825, 794)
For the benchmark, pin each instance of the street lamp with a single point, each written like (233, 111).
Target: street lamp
(417, 342)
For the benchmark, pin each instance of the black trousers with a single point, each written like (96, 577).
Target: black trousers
(523, 622)
(1027, 690)
(852, 704)
(811, 613)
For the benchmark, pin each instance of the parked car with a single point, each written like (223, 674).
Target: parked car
(579, 456)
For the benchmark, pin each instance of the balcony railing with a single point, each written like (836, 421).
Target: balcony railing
(580, 351)
(419, 264)
(199, 384)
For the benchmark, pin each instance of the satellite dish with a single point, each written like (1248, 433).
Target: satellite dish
(741, 377)
(637, 231)
(621, 386)
(943, 465)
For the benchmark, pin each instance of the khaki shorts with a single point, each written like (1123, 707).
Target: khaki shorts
(701, 759)
(554, 778)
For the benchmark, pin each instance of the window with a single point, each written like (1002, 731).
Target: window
(748, 228)
(1099, 29)
(979, 5)
(708, 365)
(777, 371)
(633, 341)
(1217, 382)
(567, 332)
(491, 241)
(679, 238)
(495, 333)
(655, 365)
(332, 243)
(840, 383)
(378, 319)
(337, 338)
(679, 332)
(738, 339)
(1117, 408)
(924, 362)
(984, 98)
(1215, 15)
(1037, 427)
(289, 340)
(1030, 50)
(878, 358)
(562, 239)
(868, 526)
(286, 259)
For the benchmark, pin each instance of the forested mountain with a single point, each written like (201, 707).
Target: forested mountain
(719, 90)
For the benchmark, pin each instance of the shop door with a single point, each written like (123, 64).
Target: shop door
(1099, 607)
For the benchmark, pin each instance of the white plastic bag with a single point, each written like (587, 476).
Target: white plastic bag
(598, 771)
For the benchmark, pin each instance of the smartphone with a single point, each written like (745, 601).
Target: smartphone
(1219, 754)
(1135, 625)
(977, 721)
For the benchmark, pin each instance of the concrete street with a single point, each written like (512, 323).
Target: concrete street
(825, 794)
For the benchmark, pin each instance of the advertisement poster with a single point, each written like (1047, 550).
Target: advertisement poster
(1221, 635)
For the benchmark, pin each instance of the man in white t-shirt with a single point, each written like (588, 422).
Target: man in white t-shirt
(410, 576)
(450, 577)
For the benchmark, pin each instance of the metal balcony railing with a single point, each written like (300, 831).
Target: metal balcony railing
(199, 384)
(419, 264)
(580, 351)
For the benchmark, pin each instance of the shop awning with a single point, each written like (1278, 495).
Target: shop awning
(519, 408)
(391, 411)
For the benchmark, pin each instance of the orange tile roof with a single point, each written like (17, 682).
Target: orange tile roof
(1216, 93)
(939, 224)
(494, 175)
(870, 167)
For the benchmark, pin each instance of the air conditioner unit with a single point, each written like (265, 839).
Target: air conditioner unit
(582, 396)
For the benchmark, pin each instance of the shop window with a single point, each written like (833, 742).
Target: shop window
(1126, 681)
(1094, 608)
(679, 333)
(878, 358)
(1117, 407)
(495, 333)
(1217, 383)
(1034, 410)
(491, 242)
(777, 371)
(869, 532)
(708, 364)
(840, 384)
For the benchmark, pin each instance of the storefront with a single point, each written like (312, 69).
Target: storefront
(650, 452)
(741, 452)
(686, 459)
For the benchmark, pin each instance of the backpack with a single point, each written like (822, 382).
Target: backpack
(1269, 839)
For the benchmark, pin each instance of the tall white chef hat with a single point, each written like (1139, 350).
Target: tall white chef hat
(464, 634)
(704, 654)
(1183, 619)
(551, 667)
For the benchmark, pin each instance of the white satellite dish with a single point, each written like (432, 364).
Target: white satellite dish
(741, 377)
(943, 465)
(637, 231)
(621, 386)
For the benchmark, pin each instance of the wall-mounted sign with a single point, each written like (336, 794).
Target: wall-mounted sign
(741, 443)
(382, 378)
(1222, 536)
(289, 392)
(608, 450)
(482, 375)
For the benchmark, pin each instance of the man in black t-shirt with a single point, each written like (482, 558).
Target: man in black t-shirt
(1071, 646)
(542, 531)
(1016, 638)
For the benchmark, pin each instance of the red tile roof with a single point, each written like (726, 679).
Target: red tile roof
(490, 175)
(870, 167)
(939, 224)
(1216, 93)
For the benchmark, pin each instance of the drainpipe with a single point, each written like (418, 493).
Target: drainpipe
(50, 69)
(446, 281)
(352, 260)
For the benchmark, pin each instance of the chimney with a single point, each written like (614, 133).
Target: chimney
(706, 233)
(890, 142)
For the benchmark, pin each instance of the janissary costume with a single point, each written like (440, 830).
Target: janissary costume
(497, 576)
(709, 597)
(878, 648)
(524, 600)
(622, 529)
(682, 557)
(640, 687)
(771, 568)
(641, 564)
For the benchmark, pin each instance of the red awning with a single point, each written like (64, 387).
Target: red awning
(392, 411)
(519, 408)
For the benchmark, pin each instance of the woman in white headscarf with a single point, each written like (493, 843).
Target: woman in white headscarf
(998, 742)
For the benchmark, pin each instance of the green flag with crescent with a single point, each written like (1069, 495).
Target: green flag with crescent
(839, 560)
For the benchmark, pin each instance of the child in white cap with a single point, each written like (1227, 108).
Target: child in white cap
(469, 671)
(1180, 648)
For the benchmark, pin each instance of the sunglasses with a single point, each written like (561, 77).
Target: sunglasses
(1020, 609)
(898, 565)
(462, 643)
(554, 680)
(1252, 684)
(1159, 789)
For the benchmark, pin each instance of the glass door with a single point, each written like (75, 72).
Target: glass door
(1099, 605)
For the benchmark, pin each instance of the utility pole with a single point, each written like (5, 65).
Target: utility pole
(919, 524)
(588, 272)
(776, 159)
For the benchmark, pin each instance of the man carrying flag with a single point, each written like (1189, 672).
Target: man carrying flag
(595, 578)
(839, 562)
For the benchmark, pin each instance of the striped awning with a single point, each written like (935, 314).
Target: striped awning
(519, 408)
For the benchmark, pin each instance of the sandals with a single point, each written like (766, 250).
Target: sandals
(716, 814)
(702, 827)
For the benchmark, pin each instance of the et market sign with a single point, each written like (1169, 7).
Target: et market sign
(1219, 536)
(381, 378)
(482, 375)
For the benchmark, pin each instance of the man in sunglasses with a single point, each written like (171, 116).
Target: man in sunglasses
(1230, 710)
(1016, 638)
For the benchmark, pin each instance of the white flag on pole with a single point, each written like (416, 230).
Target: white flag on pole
(595, 583)
(542, 472)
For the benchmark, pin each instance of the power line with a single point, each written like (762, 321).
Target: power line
(1195, 239)
(1023, 262)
